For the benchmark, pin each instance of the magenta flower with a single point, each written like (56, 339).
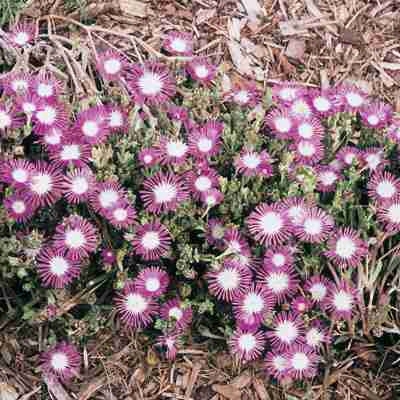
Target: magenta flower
(110, 65)
(351, 97)
(135, 309)
(245, 95)
(8, 118)
(52, 138)
(300, 108)
(18, 208)
(315, 227)
(323, 102)
(78, 185)
(235, 243)
(269, 224)
(327, 179)
(318, 287)
(389, 215)
(201, 70)
(122, 215)
(205, 141)
(276, 365)
(247, 345)
(383, 186)
(172, 151)
(116, 118)
(28, 104)
(300, 305)
(151, 83)
(212, 197)
(49, 116)
(22, 34)
(170, 342)
(296, 209)
(251, 307)
(280, 123)
(16, 83)
(70, 152)
(251, 163)
(229, 281)
(62, 361)
(346, 249)
(44, 187)
(178, 43)
(177, 312)
(55, 269)
(342, 300)
(46, 87)
(278, 259)
(349, 155)
(308, 152)
(393, 131)
(201, 181)
(152, 282)
(105, 196)
(281, 284)
(163, 192)
(108, 256)
(316, 335)
(287, 331)
(149, 157)
(91, 125)
(303, 362)
(177, 113)
(152, 241)
(308, 129)
(16, 172)
(286, 92)
(374, 158)
(75, 236)
(215, 233)
(376, 115)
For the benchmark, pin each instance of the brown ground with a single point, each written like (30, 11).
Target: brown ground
(309, 41)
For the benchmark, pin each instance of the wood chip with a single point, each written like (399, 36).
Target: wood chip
(296, 49)
(205, 14)
(192, 380)
(352, 37)
(230, 392)
(253, 9)
(241, 381)
(240, 60)
(134, 8)
(260, 389)
(56, 389)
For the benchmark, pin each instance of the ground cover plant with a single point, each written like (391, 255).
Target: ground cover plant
(268, 215)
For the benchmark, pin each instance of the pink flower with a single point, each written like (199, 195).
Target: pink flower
(235, 243)
(111, 65)
(179, 43)
(178, 313)
(278, 259)
(276, 365)
(55, 269)
(105, 196)
(28, 104)
(52, 138)
(251, 163)
(215, 232)
(318, 287)
(245, 95)
(201, 181)
(16, 172)
(303, 362)
(269, 224)
(62, 361)
(49, 116)
(108, 256)
(376, 115)
(296, 209)
(229, 281)
(75, 236)
(201, 70)
(46, 87)
(351, 97)
(205, 141)
(91, 125)
(116, 119)
(135, 309)
(323, 102)
(346, 249)
(22, 34)
(149, 157)
(70, 152)
(374, 158)
(212, 197)
(287, 331)
(152, 281)
(280, 123)
(177, 113)
(151, 83)
(163, 192)
(316, 335)
(171, 342)
(342, 300)
(8, 118)
(247, 345)
(172, 151)
(18, 208)
(383, 186)
(300, 108)
(393, 131)
(152, 241)
(349, 155)
(121, 215)
(78, 185)
(308, 152)
(308, 129)
(286, 92)
(17, 83)
(389, 215)
(300, 305)
(327, 179)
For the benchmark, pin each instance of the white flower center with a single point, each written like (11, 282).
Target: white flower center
(278, 282)
(41, 184)
(318, 291)
(354, 99)
(135, 303)
(120, 214)
(79, 185)
(176, 313)
(204, 144)
(18, 207)
(5, 120)
(283, 124)
(253, 303)
(296, 214)
(75, 238)
(314, 337)
(305, 130)
(218, 232)
(150, 240)
(271, 223)
(115, 119)
(343, 301)
(90, 128)
(287, 94)
(147, 159)
(328, 178)
(306, 149)
(241, 97)
(179, 45)
(349, 158)
(176, 148)
(251, 160)
(28, 107)
(322, 104)
(108, 197)
(53, 138)
(164, 192)
(280, 363)
(45, 90)
(59, 265)
(386, 189)
(201, 71)
(278, 260)
(313, 226)
(20, 175)
(21, 38)
(203, 183)
(47, 116)
(228, 279)
(247, 342)
(373, 119)
(373, 160)
(152, 284)
(393, 213)
(345, 247)
(70, 152)
(300, 361)
(150, 83)
(286, 331)
(112, 66)
(19, 85)
(59, 361)
(301, 108)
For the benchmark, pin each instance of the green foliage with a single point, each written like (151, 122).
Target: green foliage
(9, 9)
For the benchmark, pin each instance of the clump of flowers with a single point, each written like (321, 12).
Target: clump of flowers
(266, 212)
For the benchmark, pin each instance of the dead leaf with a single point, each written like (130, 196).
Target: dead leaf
(134, 8)
(240, 60)
(228, 391)
(234, 28)
(296, 49)
(295, 27)
(253, 9)
(352, 37)
(260, 389)
(205, 14)
(8, 392)
(241, 381)
(57, 390)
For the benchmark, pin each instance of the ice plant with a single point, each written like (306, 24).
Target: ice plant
(351, 98)
(296, 209)
(16, 172)
(308, 129)
(18, 207)
(252, 163)
(148, 157)
(16, 83)
(49, 116)
(323, 102)
(301, 304)
(178, 43)
(308, 152)
(389, 215)
(176, 312)
(278, 259)
(172, 151)
(302, 362)
(383, 186)
(286, 92)
(205, 141)
(342, 300)
(78, 185)
(276, 365)
(280, 123)
(215, 232)
(376, 115)
(91, 125)
(327, 179)
(247, 345)
(62, 362)
(170, 342)
(8, 118)
(70, 152)
(245, 95)
(152, 281)
(116, 118)
(201, 70)
(287, 330)
(111, 65)
(122, 215)
(136, 310)
(105, 196)
(316, 335)
(201, 181)
(300, 108)
(318, 287)
(22, 34)
(235, 242)
(108, 256)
